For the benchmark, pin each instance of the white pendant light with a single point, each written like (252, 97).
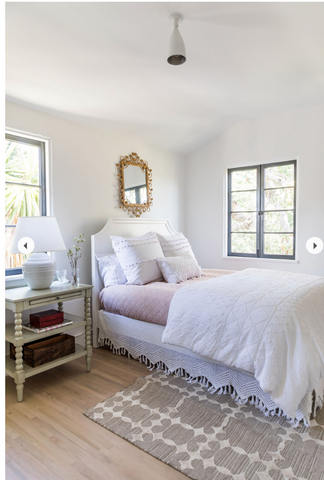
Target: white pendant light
(177, 51)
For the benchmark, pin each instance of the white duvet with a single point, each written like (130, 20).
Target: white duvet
(266, 322)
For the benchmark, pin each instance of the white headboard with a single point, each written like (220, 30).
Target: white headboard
(101, 243)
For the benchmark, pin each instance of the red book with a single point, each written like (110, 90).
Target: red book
(46, 318)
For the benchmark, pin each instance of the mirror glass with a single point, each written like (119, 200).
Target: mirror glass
(135, 188)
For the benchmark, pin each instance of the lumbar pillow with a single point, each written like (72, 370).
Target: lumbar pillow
(137, 256)
(179, 269)
(110, 270)
(175, 245)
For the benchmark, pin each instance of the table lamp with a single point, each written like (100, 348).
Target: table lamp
(39, 269)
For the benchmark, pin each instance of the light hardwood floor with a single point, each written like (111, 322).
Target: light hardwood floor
(48, 437)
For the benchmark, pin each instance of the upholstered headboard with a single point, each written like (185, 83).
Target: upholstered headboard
(101, 243)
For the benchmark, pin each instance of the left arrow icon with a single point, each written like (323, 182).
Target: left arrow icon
(26, 245)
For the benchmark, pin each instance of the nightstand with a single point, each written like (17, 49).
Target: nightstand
(20, 299)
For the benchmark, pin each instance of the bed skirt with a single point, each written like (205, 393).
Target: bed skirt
(142, 341)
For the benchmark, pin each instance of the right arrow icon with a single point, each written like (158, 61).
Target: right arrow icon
(314, 245)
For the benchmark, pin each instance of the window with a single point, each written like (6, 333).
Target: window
(262, 211)
(25, 193)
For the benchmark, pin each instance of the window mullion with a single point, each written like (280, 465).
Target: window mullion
(43, 206)
(23, 184)
(229, 217)
(262, 207)
(259, 208)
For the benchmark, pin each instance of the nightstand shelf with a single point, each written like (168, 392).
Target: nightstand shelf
(31, 336)
(30, 371)
(20, 299)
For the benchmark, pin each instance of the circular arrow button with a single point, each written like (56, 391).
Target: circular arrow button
(26, 245)
(314, 245)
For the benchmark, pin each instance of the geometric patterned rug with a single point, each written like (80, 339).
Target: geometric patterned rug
(209, 436)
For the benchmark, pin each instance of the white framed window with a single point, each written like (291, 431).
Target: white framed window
(262, 211)
(26, 188)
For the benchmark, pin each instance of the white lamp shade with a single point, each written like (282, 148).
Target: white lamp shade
(44, 231)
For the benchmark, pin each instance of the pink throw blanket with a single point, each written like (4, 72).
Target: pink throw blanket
(149, 303)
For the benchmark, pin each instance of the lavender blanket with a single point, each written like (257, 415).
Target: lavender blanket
(151, 302)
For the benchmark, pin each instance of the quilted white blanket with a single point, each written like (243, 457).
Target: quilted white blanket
(266, 322)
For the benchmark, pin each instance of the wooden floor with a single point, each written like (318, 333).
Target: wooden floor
(48, 437)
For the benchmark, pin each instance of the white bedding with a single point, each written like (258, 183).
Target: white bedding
(266, 322)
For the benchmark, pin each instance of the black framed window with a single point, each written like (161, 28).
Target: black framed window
(262, 211)
(25, 190)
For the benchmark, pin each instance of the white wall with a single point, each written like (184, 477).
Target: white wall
(85, 186)
(297, 134)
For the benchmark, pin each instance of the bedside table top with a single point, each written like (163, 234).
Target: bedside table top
(16, 295)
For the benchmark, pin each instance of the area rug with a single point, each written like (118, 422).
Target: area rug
(209, 436)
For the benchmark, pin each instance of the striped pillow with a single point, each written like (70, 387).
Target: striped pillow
(175, 245)
(137, 256)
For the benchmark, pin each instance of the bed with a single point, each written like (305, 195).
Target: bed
(144, 340)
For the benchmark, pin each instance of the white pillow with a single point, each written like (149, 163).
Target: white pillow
(175, 245)
(179, 269)
(110, 270)
(137, 256)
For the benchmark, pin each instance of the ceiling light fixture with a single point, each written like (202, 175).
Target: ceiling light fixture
(177, 51)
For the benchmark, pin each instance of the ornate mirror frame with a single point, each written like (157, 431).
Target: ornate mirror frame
(134, 209)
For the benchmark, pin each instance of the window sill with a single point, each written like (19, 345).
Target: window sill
(253, 259)
(15, 281)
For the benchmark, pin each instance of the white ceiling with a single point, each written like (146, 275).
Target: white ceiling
(104, 64)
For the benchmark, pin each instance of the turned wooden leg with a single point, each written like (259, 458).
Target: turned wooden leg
(87, 318)
(19, 371)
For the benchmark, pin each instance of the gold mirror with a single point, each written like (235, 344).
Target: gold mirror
(135, 185)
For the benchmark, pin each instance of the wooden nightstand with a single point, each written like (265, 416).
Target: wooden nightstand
(20, 299)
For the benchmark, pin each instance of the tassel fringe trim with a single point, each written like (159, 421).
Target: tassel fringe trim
(225, 390)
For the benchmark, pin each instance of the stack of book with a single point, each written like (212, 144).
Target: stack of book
(44, 321)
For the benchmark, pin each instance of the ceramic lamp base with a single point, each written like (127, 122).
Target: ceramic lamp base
(39, 271)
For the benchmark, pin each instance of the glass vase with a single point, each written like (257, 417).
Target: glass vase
(75, 281)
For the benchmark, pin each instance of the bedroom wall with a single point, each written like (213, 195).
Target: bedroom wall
(297, 135)
(85, 187)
